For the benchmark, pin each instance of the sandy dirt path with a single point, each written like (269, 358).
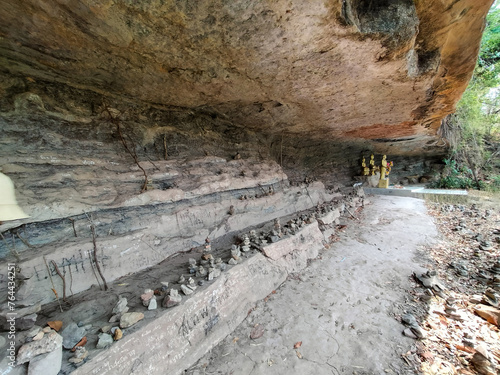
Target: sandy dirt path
(341, 313)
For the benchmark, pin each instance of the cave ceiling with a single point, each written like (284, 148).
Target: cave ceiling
(352, 69)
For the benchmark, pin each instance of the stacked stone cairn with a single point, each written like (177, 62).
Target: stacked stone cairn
(496, 278)
(235, 255)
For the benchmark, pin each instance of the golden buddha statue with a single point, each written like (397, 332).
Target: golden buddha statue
(373, 169)
(384, 180)
(366, 170)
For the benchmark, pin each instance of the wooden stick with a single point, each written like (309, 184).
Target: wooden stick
(62, 278)
(52, 282)
(95, 257)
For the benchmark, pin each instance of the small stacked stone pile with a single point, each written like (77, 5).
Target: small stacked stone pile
(173, 298)
(490, 297)
(496, 278)
(148, 299)
(245, 247)
(235, 255)
(451, 310)
(120, 320)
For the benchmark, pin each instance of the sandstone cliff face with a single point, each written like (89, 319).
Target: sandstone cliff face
(365, 69)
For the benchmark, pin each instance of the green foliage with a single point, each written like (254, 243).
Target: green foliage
(455, 177)
(488, 67)
(473, 130)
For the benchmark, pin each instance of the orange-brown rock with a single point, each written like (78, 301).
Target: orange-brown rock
(55, 325)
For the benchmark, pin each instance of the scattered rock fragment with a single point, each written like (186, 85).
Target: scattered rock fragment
(491, 298)
(46, 364)
(38, 336)
(121, 306)
(481, 361)
(105, 340)
(72, 334)
(48, 343)
(485, 245)
(257, 331)
(129, 319)
(146, 297)
(430, 280)
(414, 327)
(174, 298)
(489, 313)
(80, 354)
(105, 329)
(186, 290)
(152, 304)
(118, 334)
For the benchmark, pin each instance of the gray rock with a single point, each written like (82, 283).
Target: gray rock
(50, 342)
(152, 304)
(105, 340)
(33, 331)
(46, 364)
(105, 329)
(172, 299)
(80, 354)
(26, 322)
(25, 317)
(129, 319)
(146, 297)
(25, 290)
(120, 306)
(274, 239)
(186, 290)
(72, 334)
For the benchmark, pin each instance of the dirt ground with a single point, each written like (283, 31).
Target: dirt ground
(342, 314)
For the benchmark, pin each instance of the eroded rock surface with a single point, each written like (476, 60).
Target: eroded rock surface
(380, 70)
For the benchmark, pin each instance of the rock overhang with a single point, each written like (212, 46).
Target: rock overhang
(350, 69)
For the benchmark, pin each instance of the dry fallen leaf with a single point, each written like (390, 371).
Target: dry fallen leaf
(235, 339)
(465, 349)
(297, 344)
(298, 354)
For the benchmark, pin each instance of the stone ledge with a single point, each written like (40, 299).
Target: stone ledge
(308, 235)
(181, 335)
